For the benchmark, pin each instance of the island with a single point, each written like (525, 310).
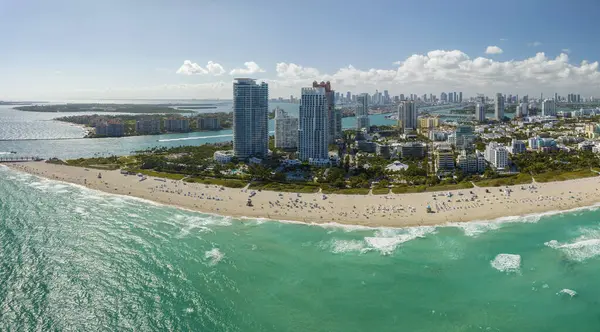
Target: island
(103, 125)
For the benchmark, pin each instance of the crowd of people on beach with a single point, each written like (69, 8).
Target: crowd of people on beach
(358, 209)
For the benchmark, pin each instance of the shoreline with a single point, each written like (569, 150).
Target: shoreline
(369, 211)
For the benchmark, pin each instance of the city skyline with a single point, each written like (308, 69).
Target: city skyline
(66, 49)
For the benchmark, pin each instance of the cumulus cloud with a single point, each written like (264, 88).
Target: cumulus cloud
(566, 50)
(192, 68)
(534, 44)
(251, 68)
(441, 69)
(493, 50)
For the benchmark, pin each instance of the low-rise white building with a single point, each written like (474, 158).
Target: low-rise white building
(223, 157)
(471, 163)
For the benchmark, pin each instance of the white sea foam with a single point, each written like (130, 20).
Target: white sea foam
(567, 291)
(477, 227)
(580, 249)
(341, 246)
(507, 262)
(387, 239)
(215, 256)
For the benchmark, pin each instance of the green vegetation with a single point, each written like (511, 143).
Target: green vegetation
(346, 191)
(231, 183)
(106, 108)
(129, 120)
(381, 191)
(563, 176)
(285, 187)
(521, 178)
(170, 176)
(423, 188)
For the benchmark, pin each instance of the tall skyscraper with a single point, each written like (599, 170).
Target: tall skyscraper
(460, 97)
(348, 96)
(548, 108)
(480, 112)
(443, 96)
(522, 110)
(250, 118)
(313, 126)
(286, 130)
(362, 112)
(450, 97)
(499, 107)
(329, 94)
(407, 114)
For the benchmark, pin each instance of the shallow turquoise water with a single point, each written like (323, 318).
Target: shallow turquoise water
(76, 259)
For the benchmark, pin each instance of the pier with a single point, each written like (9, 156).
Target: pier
(15, 159)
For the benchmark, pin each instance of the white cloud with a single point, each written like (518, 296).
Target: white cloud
(534, 44)
(566, 50)
(493, 50)
(192, 68)
(251, 68)
(439, 70)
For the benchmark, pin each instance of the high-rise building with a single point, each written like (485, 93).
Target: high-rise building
(386, 97)
(313, 125)
(460, 97)
(526, 99)
(362, 112)
(497, 155)
(499, 107)
(407, 114)
(522, 110)
(148, 126)
(329, 94)
(443, 96)
(480, 112)
(250, 118)
(556, 97)
(209, 123)
(286, 130)
(177, 124)
(450, 97)
(401, 96)
(548, 108)
(348, 96)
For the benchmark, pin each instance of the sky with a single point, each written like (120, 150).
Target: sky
(157, 49)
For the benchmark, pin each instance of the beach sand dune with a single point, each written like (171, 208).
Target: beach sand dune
(394, 210)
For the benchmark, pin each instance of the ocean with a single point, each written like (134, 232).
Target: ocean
(76, 259)
(73, 259)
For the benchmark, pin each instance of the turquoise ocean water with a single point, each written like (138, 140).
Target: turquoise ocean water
(80, 260)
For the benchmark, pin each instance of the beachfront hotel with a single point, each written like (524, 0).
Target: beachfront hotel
(313, 125)
(250, 118)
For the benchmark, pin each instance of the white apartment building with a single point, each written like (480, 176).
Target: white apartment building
(250, 118)
(471, 163)
(497, 155)
(548, 108)
(286, 130)
(313, 126)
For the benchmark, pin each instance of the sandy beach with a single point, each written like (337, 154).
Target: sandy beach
(393, 210)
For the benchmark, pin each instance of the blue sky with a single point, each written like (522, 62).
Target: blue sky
(68, 49)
